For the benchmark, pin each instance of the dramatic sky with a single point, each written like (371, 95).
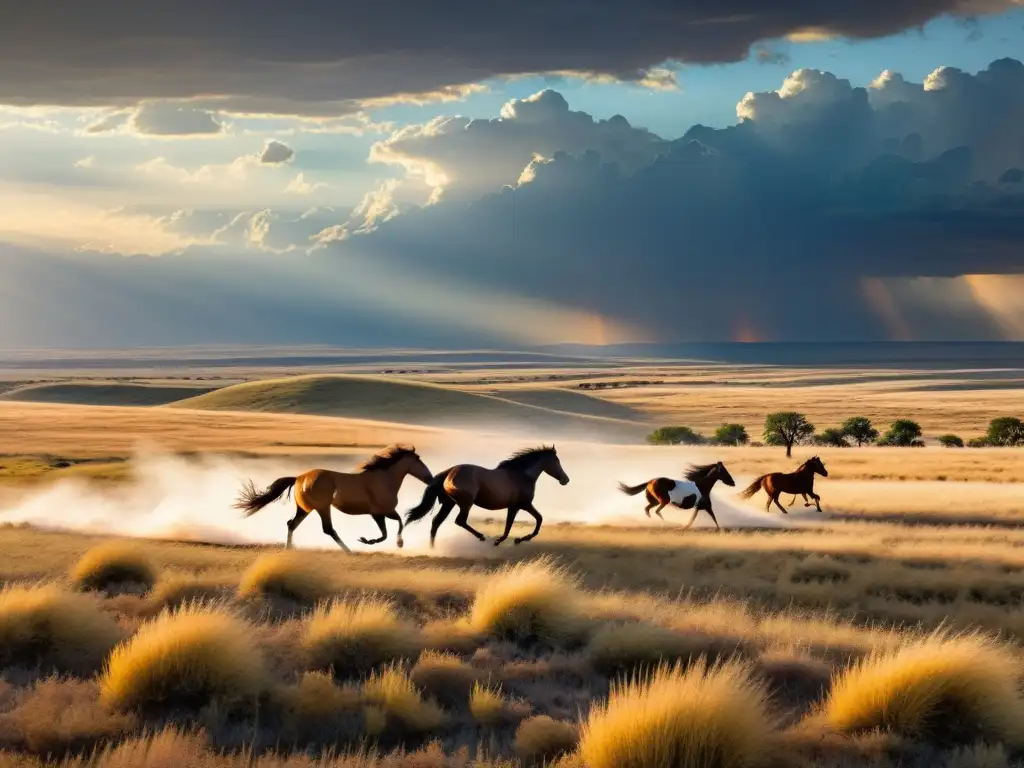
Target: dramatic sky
(465, 173)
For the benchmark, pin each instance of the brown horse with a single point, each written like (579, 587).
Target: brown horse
(693, 493)
(798, 483)
(511, 485)
(371, 490)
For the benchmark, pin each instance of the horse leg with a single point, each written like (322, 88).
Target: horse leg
(508, 525)
(325, 520)
(462, 520)
(696, 511)
(775, 498)
(714, 519)
(536, 529)
(300, 515)
(817, 500)
(661, 507)
(446, 508)
(651, 504)
(379, 520)
(393, 515)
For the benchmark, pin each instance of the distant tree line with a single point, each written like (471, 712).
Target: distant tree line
(788, 428)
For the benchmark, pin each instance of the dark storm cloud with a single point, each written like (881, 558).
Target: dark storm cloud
(275, 153)
(323, 57)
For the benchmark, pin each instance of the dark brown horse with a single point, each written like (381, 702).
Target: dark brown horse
(371, 490)
(693, 493)
(511, 485)
(798, 483)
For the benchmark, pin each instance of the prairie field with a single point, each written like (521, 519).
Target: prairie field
(145, 622)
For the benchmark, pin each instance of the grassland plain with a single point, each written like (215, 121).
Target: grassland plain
(885, 632)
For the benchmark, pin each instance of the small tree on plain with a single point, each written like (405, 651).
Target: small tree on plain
(860, 429)
(903, 433)
(951, 441)
(787, 428)
(731, 434)
(832, 438)
(1006, 430)
(674, 436)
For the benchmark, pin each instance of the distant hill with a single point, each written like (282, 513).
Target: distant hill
(101, 394)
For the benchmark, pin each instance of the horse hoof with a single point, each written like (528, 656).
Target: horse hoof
(400, 543)
(497, 542)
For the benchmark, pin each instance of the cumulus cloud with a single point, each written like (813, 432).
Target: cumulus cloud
(321, 57)
(159, 119)
(275, 153)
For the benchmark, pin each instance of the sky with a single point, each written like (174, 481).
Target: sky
(510, 175)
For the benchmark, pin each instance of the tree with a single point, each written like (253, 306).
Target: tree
(674, 436)
(903, 433)
(832, 437)
(787, 428)
(951, 441)
(859, 428)
(1006, 430)
(731, 434)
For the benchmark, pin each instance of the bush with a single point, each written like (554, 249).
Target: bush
(674, 436)
(860, 430)
(114, 564)
(530, 601)
(445, 677)
(1005, 431)
(903, 433)
(831, 438)
(353, 638)
(288, 575)
(394, 694)
(979, 442)
(539, 740)
(50, 628)
(627, 648)
(695, 718)
(951, 441)
(486, 704)
(731, 434)
(951, 689)
(787, 428)
(185, 659)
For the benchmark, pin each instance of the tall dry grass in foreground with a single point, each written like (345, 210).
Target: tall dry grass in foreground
(351, 638)
(113, 564)
(700, 717)
(186, 659)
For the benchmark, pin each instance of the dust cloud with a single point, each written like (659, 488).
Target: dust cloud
(190, 499)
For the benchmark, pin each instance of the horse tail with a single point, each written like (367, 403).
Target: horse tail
(632, 490)
(252, 501)
(753, 488)
(430, 497)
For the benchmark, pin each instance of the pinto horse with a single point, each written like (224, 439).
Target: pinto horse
(371, 490)
(799, 483)
(511, 485)
(693, 493)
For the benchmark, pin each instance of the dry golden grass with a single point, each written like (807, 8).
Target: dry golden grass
(188, 658)
(351, 638)
(177, 590)
(628, 648)
(451, 636)
(287, 574)
(445, 677)
(49, 627)
(114, 564)
(699, 717)
(393, 692)
(487, 704)
(944, 688)
(541, 739)
(531, 601)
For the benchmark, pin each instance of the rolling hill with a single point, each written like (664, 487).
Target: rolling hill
(101, 393)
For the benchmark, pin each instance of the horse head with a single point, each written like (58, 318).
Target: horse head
(723, 474)
(553, 466)
(816, 466)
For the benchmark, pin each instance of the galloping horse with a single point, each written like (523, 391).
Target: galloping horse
(371, 490)
(511, 485)
(693, 493)
(798, 483)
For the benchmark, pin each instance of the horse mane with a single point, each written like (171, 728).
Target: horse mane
(386, 459)
(804, 465)
(699, 471)
(526, 457)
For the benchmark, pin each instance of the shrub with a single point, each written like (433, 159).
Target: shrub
(288, 575)
(731, 434)
(114, 564)
(353, 638)
(176, 591)
(186, 659)
(394, 693)
(46, 626)
(954, 689)
(787, 428)
(860, 430)
(700, 717)
(951, 441)
(540, 739)
(486, 704)
(979, 442)
(831, 438)
(1006, 430)
(618, 648)
(674, 436)
(445, 677)
(903, 433)
(530, 601)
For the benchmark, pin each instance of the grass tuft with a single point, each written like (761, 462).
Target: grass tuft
(952, 689)
(395, 695)
(445, 677)
(540, 739)
(288, 575)
(531, 601)
(626, 648)
(700, 717)
(353, 638)
(114, 565)
(185, 659)
(176, 591)
(48, 627)
(487, 704)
